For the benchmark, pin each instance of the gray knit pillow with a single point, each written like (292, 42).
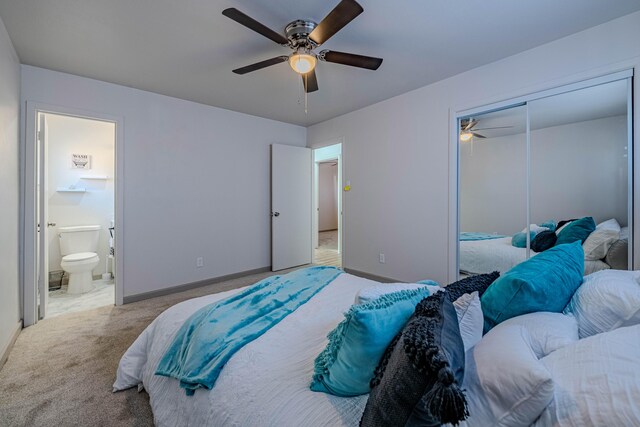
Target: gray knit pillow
(419, 377)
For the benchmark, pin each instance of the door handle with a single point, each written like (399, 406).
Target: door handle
(51, 224)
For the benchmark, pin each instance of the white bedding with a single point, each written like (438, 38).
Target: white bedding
(266, 383)
(485, 256)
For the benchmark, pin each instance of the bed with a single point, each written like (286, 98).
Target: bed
(487, 255)
(266, 383)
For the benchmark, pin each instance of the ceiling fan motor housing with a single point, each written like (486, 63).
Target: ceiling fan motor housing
(298, 33)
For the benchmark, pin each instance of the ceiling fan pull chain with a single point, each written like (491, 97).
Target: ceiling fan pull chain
(306, 94)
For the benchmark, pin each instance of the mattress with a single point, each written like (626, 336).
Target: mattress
(266, 383)
(485, 256)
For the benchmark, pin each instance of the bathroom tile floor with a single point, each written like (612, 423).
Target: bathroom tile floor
(60, 302)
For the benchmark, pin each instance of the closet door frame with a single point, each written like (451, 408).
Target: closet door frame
(454, 154)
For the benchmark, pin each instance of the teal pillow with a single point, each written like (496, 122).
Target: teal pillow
(545, 282)
(551, 225)
(519, 240)
(576, 230)
(345, 367)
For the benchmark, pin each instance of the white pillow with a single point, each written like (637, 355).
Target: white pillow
(535, 229)
(598, 243)
(597, 381)
(547, 331)
(370, 293)
(506, 383)
(470, 319)
(606, 300)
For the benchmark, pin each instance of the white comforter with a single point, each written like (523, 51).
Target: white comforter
(485, 256)
(266, 383)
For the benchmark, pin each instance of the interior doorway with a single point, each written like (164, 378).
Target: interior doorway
(77, 179)
(70, 212)
(327, 221)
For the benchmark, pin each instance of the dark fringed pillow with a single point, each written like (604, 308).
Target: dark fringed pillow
(544, 240)
(418, 379)
(471, 284)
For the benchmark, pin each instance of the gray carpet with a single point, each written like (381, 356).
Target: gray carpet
(61, 370)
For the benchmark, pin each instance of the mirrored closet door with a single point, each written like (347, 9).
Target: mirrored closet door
(527, 170)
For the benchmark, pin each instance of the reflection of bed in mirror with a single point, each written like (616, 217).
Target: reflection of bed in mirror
(557, 157)
(478, 256)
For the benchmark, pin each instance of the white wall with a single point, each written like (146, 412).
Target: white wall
(196, 179)
(9, 189)
(71, 135)
(327, 196)
(577, 169)
(396, 152)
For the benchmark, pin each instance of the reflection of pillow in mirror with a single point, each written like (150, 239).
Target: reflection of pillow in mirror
(562, 224)
(543, 241)
(519, 240)
(598, 243)
(535, 228)
(551, 225)
(618, 255)
(577, 230)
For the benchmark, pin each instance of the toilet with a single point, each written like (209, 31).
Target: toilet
(78, 246)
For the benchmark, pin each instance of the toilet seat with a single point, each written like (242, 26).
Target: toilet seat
(80, 256)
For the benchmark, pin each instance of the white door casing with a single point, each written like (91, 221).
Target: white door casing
(43, 217)
(291, 204)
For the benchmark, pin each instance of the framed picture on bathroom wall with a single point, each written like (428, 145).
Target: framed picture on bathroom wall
(80, 161)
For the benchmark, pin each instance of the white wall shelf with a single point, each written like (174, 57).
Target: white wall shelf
(103, 177)
(71, 190)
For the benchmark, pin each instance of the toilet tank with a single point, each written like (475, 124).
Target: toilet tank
(82, 238)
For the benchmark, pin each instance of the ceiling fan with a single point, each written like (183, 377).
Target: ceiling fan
(303, 36)
(468, 129)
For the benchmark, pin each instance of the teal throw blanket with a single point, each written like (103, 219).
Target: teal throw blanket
(208, 339)
(472, 236)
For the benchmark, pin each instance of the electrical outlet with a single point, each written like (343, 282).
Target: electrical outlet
(381, 258)
(199, 262)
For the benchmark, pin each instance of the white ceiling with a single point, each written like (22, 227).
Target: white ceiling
(187, 49)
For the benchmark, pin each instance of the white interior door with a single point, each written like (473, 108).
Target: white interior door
(291, 206)
(43, 219)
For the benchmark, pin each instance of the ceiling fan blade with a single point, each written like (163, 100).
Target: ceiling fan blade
(470, 124)
(260, 65)
(351, 59)
(341, 15)
(477, 135)
(497, 127)
(254, 25)
(310, 81)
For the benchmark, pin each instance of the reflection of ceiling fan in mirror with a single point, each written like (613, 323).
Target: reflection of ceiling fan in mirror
(468, 129)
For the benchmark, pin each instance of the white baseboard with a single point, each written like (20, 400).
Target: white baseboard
(4, 355)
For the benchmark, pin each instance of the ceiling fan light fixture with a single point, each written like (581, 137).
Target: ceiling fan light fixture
(465, 136)
(302, 63)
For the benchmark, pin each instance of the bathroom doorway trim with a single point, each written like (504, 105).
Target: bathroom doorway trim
(29, 238)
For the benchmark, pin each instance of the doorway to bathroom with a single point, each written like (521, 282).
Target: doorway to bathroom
(74, 219)
(327, 212)
(78, 171)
